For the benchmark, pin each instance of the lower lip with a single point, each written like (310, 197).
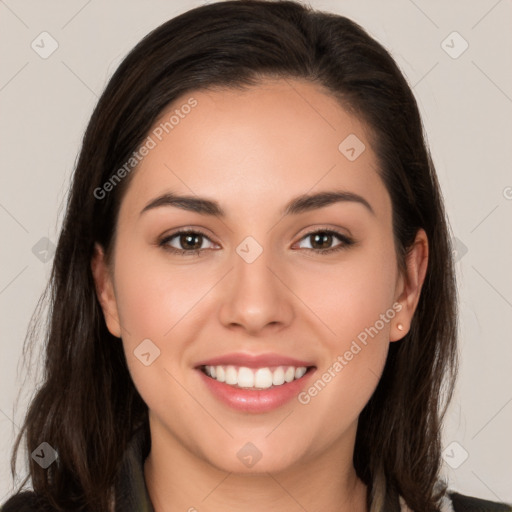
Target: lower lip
(256, 400)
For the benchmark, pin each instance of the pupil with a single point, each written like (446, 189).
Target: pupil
(185, 239)
(325, 236)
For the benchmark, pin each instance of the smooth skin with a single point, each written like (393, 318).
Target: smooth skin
(252, 151)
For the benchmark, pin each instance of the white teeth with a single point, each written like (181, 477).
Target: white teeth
(278, 376)
(299, 372)
(245, 378)
(260, 378)
(289, 374)
(263, 378)
(231, 375)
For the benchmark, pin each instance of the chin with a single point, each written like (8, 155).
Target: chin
(257, 456)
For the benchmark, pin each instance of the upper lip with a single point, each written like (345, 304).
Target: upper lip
(253, 361)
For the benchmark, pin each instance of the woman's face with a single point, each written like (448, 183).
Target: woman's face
(260, 285)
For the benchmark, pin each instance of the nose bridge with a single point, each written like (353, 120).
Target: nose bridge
(255, 296)
(252, 267)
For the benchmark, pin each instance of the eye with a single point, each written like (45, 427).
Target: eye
(323, 238)
(189, 242)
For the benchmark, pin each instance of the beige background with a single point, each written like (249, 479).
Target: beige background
(466, 106)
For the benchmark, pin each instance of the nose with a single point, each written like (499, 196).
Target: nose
(255, 297)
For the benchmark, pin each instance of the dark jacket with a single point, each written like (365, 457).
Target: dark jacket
(132, 495)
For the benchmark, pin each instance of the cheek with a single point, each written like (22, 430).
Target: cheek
(335, 399)
(351, 296)
(355, 302)
(153, 296)
(155, 302)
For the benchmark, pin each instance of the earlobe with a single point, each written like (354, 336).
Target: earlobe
(411, 285)
(105, 290)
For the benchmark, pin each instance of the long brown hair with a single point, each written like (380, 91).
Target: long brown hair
(87, 407)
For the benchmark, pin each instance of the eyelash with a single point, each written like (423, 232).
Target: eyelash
(346, 242)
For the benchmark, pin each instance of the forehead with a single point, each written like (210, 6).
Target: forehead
(257, 146)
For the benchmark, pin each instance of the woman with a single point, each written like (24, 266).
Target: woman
(253, 295)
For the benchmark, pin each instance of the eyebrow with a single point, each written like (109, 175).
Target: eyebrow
(299, 204)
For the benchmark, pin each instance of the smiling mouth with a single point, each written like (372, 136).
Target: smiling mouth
(255, 378)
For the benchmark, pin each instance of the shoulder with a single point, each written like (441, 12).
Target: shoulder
(464, 503)
(26, 501)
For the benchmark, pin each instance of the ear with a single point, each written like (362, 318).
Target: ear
(105, 290)
(409, 285)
